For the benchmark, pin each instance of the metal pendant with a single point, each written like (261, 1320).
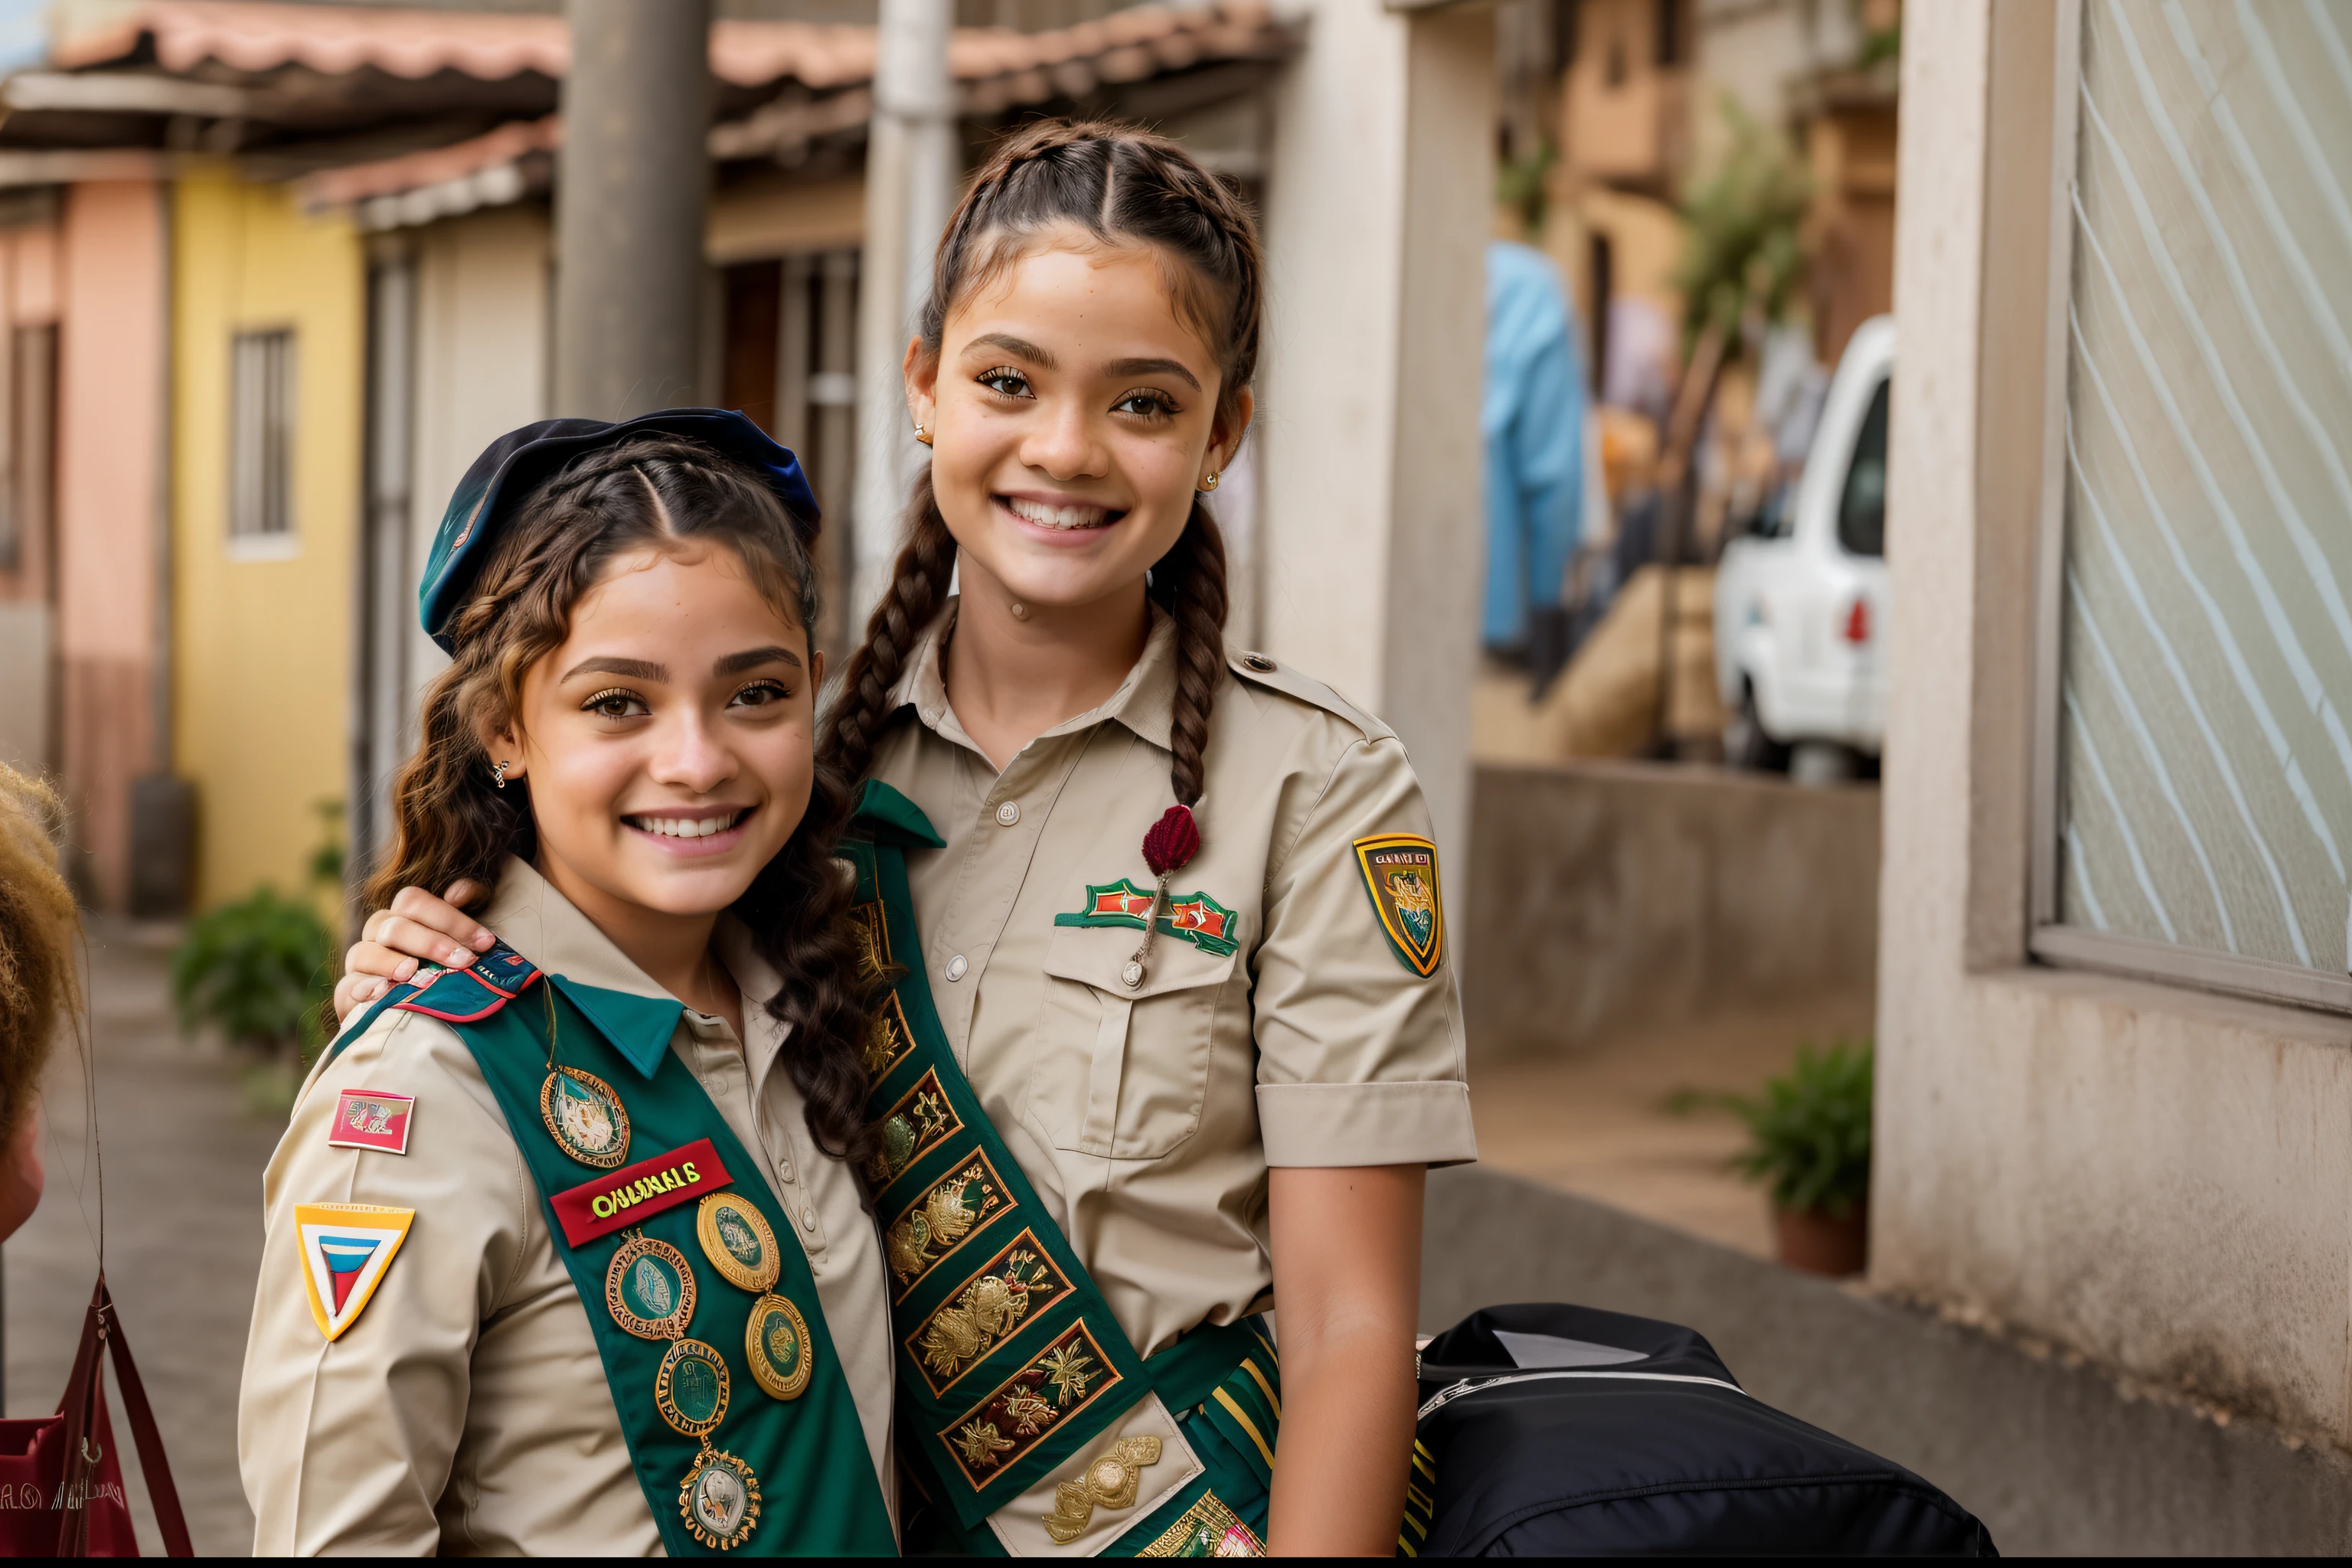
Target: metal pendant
(720, 1499)
(649, 1289)
(585, 1118)
(736, 1238)
(776, 1343)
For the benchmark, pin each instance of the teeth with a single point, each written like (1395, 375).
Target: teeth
(1061, 516)
(685, 827)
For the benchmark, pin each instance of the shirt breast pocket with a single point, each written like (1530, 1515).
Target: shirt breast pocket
(1121, 1072)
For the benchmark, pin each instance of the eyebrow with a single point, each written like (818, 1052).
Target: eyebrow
(1021, 346)
(630, 668)
(1126, 367)
(752, 658)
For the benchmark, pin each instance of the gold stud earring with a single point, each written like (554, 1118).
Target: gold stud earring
(1209, 480)
(923, 435)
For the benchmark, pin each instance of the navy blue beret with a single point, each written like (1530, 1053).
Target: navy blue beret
(511, 467)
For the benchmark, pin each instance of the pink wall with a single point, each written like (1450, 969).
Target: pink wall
(110, 278)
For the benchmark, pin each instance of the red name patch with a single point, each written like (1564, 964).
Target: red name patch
(635, 1194)
(369, 1119)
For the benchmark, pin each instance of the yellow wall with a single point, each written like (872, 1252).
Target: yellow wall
(261, 649)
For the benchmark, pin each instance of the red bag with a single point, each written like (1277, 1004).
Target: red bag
(60, 1480)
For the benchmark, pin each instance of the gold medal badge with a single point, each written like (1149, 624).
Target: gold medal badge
(736, 1238)
(649, 1289)
(584, 1117)
(720, 1499)
(692, 1388)
(776, 1343)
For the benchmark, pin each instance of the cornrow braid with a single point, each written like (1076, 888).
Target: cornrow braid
(1120, 184)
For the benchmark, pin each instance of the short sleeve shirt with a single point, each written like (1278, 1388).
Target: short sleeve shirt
(1284, 1025)
(466, 1410)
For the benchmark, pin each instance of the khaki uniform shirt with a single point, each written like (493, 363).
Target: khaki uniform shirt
(465, 1409)
(1145, 1117)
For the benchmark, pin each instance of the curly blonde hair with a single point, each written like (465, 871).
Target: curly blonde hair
(39, 921)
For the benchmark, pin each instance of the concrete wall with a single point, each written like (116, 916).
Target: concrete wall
(1607, 897)
(2156, 1177)
(2053, 1457)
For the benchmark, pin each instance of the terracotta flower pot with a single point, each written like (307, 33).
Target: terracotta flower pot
(1811, 1240)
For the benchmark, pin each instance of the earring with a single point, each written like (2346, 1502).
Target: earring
(1209, 481)
(499, 774)
(923, 435)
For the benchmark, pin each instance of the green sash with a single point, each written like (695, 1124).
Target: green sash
(1010, 1362)
(805, 1458)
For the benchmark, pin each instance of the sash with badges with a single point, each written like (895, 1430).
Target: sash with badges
(1029, 1405)
(739, 1423)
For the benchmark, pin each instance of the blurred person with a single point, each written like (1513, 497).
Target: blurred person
(38, 992)
(1531, 419)
(566, 1251)
(1182, 1097)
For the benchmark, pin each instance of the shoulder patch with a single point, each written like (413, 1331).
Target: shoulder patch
(346, 1250)
(369, 1119)
(1259, 671)
(1400, 875)
(472, 993)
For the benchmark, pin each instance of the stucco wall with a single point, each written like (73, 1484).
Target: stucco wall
(262, 648)
(2154, 1176)
(1608, 897)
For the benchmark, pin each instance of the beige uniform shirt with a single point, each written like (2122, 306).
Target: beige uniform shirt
(1145, 1117)
(465, 1409)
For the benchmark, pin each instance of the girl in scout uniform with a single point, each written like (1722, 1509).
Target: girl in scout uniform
(562, 1254)
(1169, 1029)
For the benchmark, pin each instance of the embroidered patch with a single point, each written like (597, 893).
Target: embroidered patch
(1069, 1374)
(888, 1038)
(346, 1249)
(915, 1125)
(1195, 917)
(992, 1305)
(634, 1195)
(938, 1222)
(870, 928)
(1207, 1529)
(1401, 874)
(369, 1119)
(469, 994)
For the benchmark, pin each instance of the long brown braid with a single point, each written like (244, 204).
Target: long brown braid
(1120, 186)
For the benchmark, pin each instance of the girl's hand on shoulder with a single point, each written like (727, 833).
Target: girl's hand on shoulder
(417, 929)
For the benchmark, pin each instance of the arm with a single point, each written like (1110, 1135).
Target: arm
(417, 926)
(1347, 1274)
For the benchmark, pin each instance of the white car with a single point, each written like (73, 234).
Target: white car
(1799, 606)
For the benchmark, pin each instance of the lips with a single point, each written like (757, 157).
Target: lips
(1059, 519)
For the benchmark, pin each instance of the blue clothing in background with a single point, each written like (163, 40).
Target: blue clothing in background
(1531, 419)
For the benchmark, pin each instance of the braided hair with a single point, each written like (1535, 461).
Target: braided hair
(1120, 184)
(450, 822)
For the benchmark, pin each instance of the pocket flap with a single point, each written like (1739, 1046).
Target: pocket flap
(1093, 955)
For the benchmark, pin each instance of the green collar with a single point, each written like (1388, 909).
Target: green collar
(893, 818)
(639, 1027)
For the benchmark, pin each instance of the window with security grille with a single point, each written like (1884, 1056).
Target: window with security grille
(261, 434)
(2203, 712)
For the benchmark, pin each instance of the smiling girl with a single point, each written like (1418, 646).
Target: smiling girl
(561, 1253)
(1170, 1036)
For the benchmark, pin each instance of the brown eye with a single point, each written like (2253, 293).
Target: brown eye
(1005, 382)
(760, 693)
(617, 703)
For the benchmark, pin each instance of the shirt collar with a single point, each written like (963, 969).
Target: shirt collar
(635, 1014)
(1145, 702)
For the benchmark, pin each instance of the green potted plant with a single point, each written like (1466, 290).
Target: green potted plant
(1808, 1137)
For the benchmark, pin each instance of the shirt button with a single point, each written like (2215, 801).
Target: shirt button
(808, 1220)
(1008, 814)
(784, 1169)
(956, 966)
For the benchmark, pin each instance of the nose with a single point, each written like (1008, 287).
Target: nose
(691, 755)
(1061, 442)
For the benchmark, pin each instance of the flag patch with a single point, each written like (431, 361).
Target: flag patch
(369, 1119)
(346, 1249)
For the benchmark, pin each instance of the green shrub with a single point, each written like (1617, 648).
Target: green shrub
(1808, 1133)
(259, 970)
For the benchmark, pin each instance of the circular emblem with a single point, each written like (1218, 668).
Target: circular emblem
(649, 1289)
(720, 1499)
(585, 1118)
(776, 1343)
(737, 1241)
(690, 1390)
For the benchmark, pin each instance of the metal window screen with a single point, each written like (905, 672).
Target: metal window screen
(2205, 751)
(260, 434)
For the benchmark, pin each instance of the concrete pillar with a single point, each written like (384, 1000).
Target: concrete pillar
(633, 188)
(913, 162)
(1379, 203)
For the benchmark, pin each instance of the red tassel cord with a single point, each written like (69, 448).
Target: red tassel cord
(1169, 847)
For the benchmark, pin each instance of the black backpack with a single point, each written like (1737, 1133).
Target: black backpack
(1560, 1431)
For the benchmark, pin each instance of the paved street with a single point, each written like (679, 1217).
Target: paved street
(182, 1163)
